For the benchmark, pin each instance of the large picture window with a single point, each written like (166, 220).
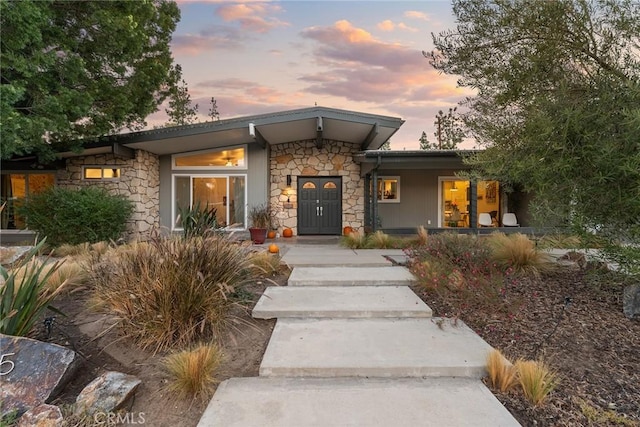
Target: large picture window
(231, 158)
(389, 189)
(15, 188)
(227, 194)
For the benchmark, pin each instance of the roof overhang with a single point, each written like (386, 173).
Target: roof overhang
(418, 159)
(319, 124)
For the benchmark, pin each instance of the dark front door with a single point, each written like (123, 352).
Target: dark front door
(319, 205)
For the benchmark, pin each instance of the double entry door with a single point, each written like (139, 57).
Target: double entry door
(319, 205)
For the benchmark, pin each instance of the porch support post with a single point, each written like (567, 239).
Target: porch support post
(473, 205)
(367, 199)
(374, 205)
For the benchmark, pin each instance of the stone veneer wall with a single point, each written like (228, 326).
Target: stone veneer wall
(305, 159)
(139, 181)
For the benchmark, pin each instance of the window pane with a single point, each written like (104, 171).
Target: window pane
(222, 158)
(93, 173)
(236, 202)
(40, 182)
(182, 197)
(111, 173)
(330, 185)
(211, 193)
(309, 185)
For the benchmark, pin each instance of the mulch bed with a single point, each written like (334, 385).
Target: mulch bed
(573, 320)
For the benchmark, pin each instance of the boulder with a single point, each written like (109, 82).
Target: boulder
(631, 301)
(107, 393)
(32, 372)
(42, 416)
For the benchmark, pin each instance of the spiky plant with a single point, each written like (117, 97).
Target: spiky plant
(502, 374)
(536, 380)
(518, 252)
(354, 240)
(194, 372)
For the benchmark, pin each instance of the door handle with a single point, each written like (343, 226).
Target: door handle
(317, 211)
(321, 208)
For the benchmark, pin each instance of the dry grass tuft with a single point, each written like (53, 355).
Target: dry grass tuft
(423, 235)
(171, 291)
(502, 374)
(379, 240)
(518, 252)
(264, 263)
(194, 372)
(67, 271)
(354, 240)
(536, 380)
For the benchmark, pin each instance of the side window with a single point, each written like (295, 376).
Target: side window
(389, 189)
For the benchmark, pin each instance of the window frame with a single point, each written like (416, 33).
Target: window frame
(244, 147)
(383, 178)
(102, 169)
(191, 177)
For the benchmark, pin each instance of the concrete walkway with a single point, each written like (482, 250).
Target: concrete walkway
(354, 346)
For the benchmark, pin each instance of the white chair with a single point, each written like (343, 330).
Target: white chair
(484, 220)
(510, 220)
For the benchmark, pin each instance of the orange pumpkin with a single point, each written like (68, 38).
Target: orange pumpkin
(287, 232)
(271, 234)
(347, 230)
(273, 248)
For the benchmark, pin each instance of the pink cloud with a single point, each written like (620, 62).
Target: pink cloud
(386, 25)
(414, 14)
(345, 43)
(211, 39)
(252, 17)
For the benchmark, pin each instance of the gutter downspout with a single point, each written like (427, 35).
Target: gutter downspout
(374, 187)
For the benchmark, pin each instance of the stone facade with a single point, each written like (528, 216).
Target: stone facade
(305, 159)
(139, 181)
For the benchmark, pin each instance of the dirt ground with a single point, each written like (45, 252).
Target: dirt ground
(83, 331)
(573, 320)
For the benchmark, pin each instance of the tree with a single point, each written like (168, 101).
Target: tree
(449, 132)
(75, 70)
(181, 111)
(557, 105)
(386, 146)
(213, 111)
(424, 142)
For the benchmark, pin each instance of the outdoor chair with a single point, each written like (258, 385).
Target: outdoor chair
(510, 220)
(484, 220)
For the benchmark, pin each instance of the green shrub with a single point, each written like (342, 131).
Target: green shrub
(171, 291)
(459, 268)
(25, 293)
(90, 214)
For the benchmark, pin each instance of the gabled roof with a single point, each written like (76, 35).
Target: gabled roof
(320, 124)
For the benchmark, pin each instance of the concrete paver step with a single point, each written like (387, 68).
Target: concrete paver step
(339, 302)
(374, 348)
(309, 256)
(307, 402)
(350, 276)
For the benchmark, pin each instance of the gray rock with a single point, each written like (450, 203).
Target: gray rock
(107, 393)
(33, 372)
(42, 416)
(631, 301)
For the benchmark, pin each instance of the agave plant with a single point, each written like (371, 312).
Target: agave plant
(25, 295)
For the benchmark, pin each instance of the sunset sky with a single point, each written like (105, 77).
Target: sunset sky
(259, 57)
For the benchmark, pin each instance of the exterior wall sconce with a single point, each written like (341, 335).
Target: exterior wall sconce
(288, 180)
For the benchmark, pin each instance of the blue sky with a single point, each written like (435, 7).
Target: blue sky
(257, 57)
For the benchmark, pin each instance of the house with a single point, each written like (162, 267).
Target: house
(316, 165)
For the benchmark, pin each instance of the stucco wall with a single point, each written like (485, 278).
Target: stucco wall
(305, 159)
(139, 181)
